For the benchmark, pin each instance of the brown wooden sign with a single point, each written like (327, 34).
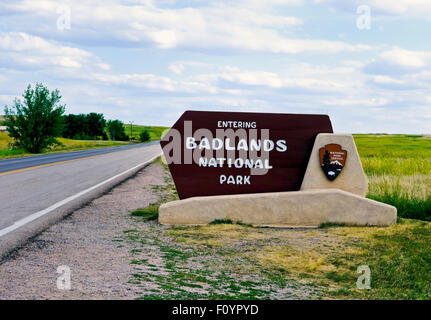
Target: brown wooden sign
(218, 153)
(332, 160)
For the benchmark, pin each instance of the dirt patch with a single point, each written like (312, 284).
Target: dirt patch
(90, 242)
(170, 265)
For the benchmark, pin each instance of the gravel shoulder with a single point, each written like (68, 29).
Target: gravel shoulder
(89, 242)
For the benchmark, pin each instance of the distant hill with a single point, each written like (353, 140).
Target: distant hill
(155, 132)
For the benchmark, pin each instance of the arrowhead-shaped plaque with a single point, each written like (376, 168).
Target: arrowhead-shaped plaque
(332, 160)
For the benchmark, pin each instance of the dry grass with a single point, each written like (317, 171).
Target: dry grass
(411, 186)
(327, 259)
(4, 140)
(216, 235)
(294, 261)
(398, 166)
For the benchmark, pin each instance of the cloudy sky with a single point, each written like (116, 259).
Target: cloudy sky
(148, 61)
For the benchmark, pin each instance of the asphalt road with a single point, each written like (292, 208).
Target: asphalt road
(29, 193)
(32, 161)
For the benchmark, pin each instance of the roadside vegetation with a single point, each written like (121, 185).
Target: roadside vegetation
(136, 130)
(399, 171)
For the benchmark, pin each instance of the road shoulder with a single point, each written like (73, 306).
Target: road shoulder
(89, 242)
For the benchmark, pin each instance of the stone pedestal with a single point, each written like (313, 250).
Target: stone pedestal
(280, 209)
(352, 178)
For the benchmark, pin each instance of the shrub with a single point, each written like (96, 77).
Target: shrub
(35, 121)
(144, 136)
(116, 131)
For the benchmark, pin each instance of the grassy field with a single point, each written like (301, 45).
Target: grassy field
(399, 171)
(155, 132)
(66, 145)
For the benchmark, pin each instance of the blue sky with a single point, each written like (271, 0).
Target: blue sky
(148, 61)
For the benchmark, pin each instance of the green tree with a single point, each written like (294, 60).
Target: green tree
(35, 121)
(74, 126)
(84, 126)
(116, 131)
(95, 125)
(144, 135)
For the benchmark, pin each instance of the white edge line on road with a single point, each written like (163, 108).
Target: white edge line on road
(41, 213)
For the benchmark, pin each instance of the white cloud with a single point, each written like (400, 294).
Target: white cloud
(215, 26)
(387, 80)
(400, 7)
(151, 82)
(178, 67)
(398, 61)
(407, 58)
(390, 7)
(304, 76)
(21, 50)
(355, 101)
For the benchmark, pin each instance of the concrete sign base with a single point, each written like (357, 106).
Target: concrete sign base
(281, 209)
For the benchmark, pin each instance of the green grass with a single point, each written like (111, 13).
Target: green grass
(155, 132)
(408, 207)
(325, 225)
(399, 171)
(148, 213)
(228, 221)
(397, 146)
(398, 256)
(66, 145)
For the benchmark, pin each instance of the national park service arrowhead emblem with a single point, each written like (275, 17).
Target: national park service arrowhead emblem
(332, 160)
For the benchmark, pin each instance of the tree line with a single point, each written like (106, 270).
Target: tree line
(35, 122)
(92, 126)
